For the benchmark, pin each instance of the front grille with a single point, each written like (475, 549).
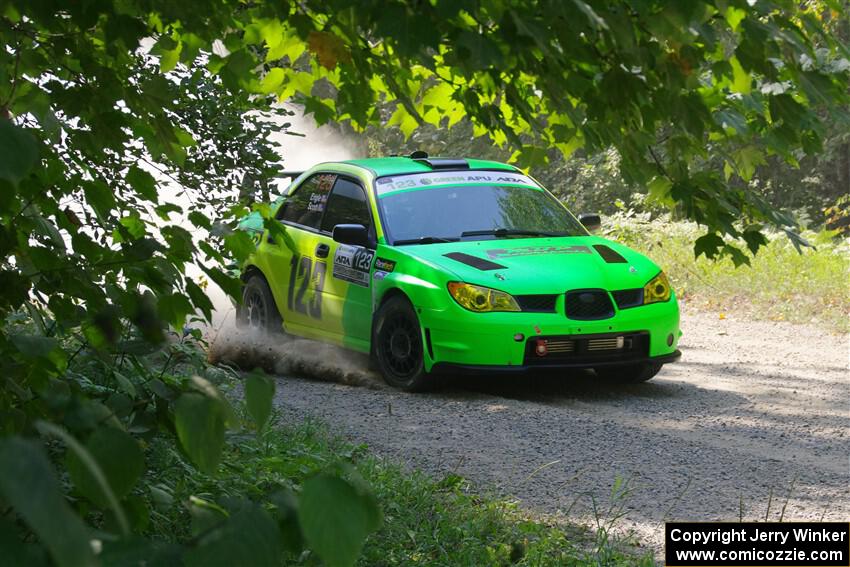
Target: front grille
(588, 305)
(541, 303)
(626, 298)
(560, 346)
(608, 343)
(578, 349)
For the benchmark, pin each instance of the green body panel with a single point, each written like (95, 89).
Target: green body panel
(340, 312)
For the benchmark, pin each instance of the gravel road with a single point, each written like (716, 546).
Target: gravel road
(753, 413)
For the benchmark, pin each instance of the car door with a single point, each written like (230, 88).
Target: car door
(298, 259)
(347, 294)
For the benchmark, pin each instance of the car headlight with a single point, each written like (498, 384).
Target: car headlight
(482, 299)
(657, 290)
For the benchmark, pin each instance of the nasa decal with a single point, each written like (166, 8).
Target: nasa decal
(352, 264)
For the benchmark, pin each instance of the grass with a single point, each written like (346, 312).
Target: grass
(781, 284)
(427, 521)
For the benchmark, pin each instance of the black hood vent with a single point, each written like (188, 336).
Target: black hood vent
(474, 261)
(609, 255)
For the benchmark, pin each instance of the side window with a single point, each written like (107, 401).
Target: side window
(306, 205)
(346, 205)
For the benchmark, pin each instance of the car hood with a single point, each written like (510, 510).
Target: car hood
(540, 265)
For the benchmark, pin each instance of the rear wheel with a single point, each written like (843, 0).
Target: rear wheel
(258, 310)
(629, 374)
(397, 346)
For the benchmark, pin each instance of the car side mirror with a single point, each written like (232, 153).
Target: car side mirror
(590, 221)
(354, 234)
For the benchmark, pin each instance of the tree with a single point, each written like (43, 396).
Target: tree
(86, 123)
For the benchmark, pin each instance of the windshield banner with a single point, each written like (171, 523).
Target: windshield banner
(386, 185)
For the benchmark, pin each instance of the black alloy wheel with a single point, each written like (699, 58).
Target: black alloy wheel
(398, 349)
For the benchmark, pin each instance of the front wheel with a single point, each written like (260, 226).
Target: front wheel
(397, 344)
(629, 374)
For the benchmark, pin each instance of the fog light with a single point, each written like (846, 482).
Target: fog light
(519, 337)
(541, 349)
(670, 339)
(620, 342)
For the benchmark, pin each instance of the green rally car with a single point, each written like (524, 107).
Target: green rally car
(437, 264)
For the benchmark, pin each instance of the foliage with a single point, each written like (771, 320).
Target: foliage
(595, 183)
(118, 408)
(428, 521)
(586, 183)
(779, 285)
(127, 130)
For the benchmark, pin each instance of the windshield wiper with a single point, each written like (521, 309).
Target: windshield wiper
(424, 240)
(499, 232)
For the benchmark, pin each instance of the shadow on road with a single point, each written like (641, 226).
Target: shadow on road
(551, 386)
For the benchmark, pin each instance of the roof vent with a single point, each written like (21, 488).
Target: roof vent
(444, 163)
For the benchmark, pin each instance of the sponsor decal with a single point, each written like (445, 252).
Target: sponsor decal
(379, 275)
(424, 180)
(317, 203)
(537, 251)
(384, 265)
(353, 264)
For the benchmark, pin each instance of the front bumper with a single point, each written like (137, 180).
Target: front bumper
(450, 368)
(459, 339)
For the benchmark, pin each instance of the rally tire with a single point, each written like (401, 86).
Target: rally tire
(397, 346)
(629, 374)
(258, 310)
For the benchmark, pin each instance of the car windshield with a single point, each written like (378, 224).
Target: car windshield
(424, 208)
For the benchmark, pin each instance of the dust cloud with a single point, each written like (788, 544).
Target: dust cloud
(279, 353)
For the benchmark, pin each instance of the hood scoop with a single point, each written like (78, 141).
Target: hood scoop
(609, 255)
(476, 262)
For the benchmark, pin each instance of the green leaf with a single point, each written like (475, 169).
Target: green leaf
(143, 182)
(100, 197)
(200, 219)
(708, 244)
(742, 82)
(18, 152)
(259, 393)
(134, 224)
(35, 346)
(249, 538)
(230, 285)
(734, 17)
(199, 299)
(659, 189)
(199, 420)
(135, 551)
(754, 239)
(273, 80)
(14, 551)
(592, 17)
(746, 161)
(286, 514)
(28, 483)
(335, 518)
(738, 257)
(120, 460)
(240, 244)
(174, 308)
(530, 156)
